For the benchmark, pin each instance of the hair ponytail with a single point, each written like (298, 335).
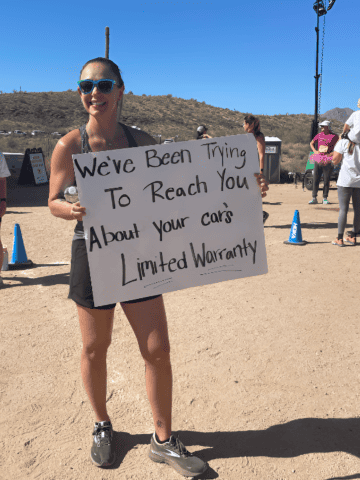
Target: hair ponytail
(251, 120)
(351, 146)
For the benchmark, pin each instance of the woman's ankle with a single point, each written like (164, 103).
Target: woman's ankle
(102, 418)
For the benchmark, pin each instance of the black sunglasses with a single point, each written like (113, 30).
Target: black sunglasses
(103, 85)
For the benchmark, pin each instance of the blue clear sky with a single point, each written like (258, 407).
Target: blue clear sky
(254, 56)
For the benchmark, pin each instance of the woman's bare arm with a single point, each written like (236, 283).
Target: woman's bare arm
(62, 176)
(260, 141)
(336, 158)
(346, 128)
(2, 195)
(312, 146)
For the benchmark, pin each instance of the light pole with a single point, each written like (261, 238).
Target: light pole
(107, 32)
(320, 11)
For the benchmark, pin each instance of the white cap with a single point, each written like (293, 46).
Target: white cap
(325, 123)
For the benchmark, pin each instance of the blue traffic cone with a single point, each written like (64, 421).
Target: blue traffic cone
(295, 237)
(19, 258)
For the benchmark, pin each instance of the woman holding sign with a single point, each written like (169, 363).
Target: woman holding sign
(101, 89)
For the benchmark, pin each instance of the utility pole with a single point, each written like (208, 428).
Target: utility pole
(320, 11)
(107, 42)
(314, 126)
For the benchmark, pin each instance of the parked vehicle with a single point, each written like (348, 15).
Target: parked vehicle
(19, 132)
(37, 132)
(169, 140)
(56, 133)
(4, 132)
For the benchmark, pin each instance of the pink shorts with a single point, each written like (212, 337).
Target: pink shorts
(321, 158)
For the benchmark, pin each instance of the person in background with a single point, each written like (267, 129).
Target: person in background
(252, 125)
(201, 132)
(347, 150)
(4, 172)
(322, 156)
(353, 121)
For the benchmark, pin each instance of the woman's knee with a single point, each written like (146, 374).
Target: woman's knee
(158, 354)
(96, 348)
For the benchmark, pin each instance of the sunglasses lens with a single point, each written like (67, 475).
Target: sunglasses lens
(86, 86)
(105, 86)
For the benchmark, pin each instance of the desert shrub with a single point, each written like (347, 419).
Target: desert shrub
(11, 143)
(285, 149)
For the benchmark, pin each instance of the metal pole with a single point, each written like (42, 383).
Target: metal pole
(107, 41)
(314, 126)
(317, 66)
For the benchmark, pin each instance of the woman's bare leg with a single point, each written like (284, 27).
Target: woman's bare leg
(96, 329)
(148, 320)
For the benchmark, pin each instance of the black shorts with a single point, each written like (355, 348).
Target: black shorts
(80, 282)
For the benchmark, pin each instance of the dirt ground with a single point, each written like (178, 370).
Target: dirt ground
(266, 369)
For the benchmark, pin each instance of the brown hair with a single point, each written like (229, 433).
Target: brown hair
(113, 67)
(251, 120)
(350, 145)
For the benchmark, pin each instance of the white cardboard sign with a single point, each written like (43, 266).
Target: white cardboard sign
(166, 217)
(38, 167)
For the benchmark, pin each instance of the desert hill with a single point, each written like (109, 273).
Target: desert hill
(339, 114)
(165, 115)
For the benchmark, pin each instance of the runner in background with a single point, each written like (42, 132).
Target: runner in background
(4, 172)
(353, 121)
(322, 156)
(252, 125)
(347, 150)
(201, 132)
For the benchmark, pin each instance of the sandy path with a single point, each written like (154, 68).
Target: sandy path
(265, 368)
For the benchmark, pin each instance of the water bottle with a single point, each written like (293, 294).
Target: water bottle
(71, 194)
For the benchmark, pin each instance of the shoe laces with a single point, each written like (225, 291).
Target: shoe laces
(180, 448)
(102, 434)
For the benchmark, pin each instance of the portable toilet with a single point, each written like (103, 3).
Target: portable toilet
(272, 159)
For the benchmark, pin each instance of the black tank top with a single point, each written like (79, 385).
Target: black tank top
(85, 148)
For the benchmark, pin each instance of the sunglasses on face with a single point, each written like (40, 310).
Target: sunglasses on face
(103, 85)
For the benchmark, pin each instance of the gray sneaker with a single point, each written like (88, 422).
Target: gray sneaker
(102, 450)
(175, 454)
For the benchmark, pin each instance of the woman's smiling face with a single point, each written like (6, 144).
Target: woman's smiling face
(97, 103)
